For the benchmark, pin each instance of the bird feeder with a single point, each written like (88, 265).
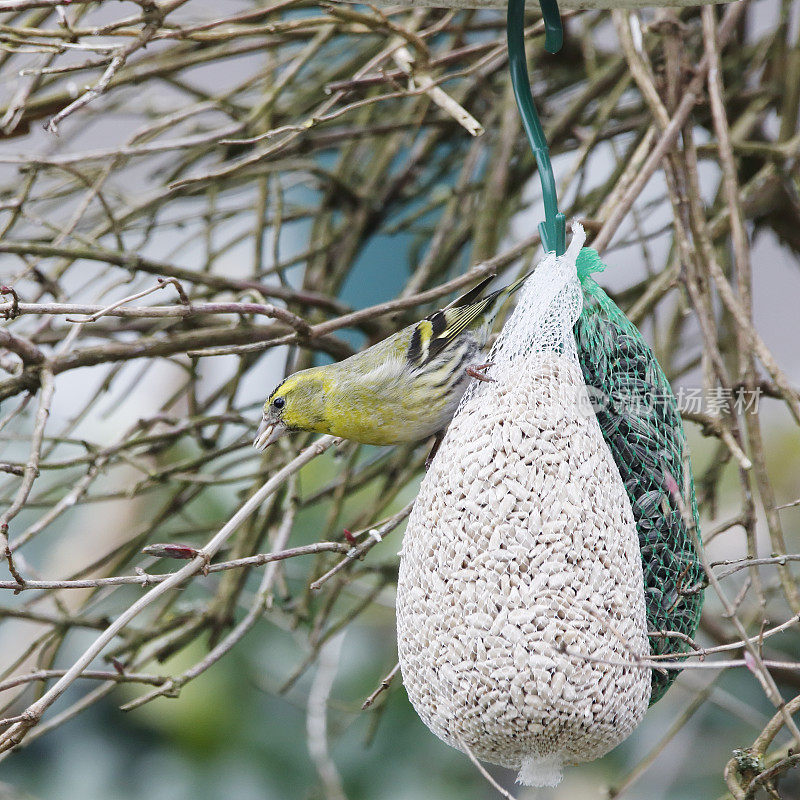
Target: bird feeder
(550, 536)
(520, 600)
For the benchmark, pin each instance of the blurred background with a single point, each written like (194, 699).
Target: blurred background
(276, 156)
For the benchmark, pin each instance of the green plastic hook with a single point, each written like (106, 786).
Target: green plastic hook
(553, 229)
(553, 30)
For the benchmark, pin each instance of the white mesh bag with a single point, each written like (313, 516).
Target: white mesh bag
(520, 602)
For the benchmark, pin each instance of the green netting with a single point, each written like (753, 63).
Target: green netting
(640, 421)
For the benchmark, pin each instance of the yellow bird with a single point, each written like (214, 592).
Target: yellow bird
(402, 389)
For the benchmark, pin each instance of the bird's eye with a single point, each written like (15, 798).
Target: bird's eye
(278, 403)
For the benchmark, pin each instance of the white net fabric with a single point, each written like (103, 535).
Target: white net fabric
(520, 602)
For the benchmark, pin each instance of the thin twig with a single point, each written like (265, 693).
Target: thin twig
(382, 687)
(14, 735)
(483, 771)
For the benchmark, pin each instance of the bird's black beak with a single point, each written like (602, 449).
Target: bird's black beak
(269, 431)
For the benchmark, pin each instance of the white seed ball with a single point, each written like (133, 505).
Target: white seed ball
(515, 568)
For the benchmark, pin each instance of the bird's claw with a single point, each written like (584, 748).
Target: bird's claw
(476, 371)
(434, 450)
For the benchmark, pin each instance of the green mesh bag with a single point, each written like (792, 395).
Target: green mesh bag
(641, 424)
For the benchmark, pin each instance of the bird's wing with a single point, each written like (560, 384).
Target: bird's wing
(433, 334)
(473, 294)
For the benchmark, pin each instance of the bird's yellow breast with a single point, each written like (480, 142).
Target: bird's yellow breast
(386, 405)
